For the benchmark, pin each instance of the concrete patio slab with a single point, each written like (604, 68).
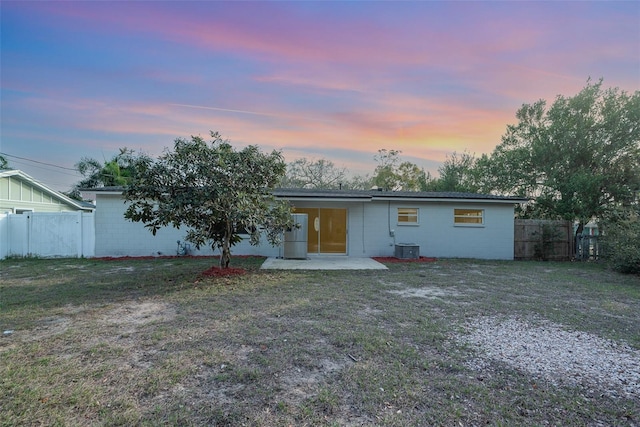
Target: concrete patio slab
(323, 263)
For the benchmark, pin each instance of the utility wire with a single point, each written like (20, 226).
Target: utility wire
(36, 161)
(50, 164)
(46, 168)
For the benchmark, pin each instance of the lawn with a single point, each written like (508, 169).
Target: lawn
(450, 342)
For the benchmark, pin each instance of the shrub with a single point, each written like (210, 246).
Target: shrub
(621, 243)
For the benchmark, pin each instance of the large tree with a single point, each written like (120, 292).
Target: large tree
(358, 182)
(577, 158)
(322, 173)
(4, 164)
(385, 176)
(216, 191)
(460, 173)
(393, 174)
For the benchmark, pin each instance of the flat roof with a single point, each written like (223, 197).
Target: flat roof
(364, 195)
(298, 193)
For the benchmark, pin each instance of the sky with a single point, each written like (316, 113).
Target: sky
(317, 80)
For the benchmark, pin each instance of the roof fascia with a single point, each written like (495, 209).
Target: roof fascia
(324, 199)
(109, 192)
(44, 188)
(447, 200)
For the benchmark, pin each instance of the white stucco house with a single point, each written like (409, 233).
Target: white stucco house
(345, 223)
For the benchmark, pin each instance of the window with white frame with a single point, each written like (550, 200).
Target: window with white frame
(468, 216)
(407, 216)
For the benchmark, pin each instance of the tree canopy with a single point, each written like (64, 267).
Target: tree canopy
(321, 173)
(4, 164)
(393, 174)
(118, 171)
(460, 173)
(575, 159)
(216, 191)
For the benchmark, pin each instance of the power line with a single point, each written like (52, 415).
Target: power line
(50, 164)
(36, 161)
(45, 168)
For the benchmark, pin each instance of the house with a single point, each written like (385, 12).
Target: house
(38, 221)
(343, 222)
(20, 193)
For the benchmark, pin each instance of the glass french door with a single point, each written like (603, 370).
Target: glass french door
(327, 230)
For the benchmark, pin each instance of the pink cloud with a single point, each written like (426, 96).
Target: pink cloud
(422, 84)
(298, 37)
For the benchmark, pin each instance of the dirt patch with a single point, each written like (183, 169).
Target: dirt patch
(46, 328)
(126, 317)
(114, 270)
(302, 383)
(431, 292)
(134, 314)
(369, 312)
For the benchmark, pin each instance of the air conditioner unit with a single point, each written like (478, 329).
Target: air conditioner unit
(407, 251)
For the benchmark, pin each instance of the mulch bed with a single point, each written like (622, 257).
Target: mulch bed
(223, 272)
(391, 259)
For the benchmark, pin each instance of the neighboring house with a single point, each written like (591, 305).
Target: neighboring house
(343, 222)
(38, 221)
(20, 193)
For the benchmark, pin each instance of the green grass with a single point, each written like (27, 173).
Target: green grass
(152, 342)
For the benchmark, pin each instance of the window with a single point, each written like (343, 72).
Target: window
(244, 231)
(407, 216)
(468, 216)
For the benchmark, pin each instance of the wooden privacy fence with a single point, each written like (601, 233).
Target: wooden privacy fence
(536, 239)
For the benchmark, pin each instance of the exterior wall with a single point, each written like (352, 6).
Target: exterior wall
(15, 193)
(372, 229)
(47, 234)
(117, 236)
(439, 236)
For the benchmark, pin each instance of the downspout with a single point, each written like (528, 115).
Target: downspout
(364, 247)
(389, 216)
(391, 231)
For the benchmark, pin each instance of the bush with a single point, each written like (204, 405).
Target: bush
(621, 243)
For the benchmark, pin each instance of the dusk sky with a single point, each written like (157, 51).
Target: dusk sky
(334, 80)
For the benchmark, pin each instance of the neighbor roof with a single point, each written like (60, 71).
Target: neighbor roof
(7, 173)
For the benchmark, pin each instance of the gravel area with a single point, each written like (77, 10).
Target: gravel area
(562, 357)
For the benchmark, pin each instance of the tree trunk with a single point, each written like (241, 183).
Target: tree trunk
(225, 257)
(577, 237)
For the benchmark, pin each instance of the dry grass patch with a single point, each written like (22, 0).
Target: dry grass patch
(153, 342)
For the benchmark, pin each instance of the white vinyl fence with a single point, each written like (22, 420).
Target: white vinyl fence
(47, 235)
